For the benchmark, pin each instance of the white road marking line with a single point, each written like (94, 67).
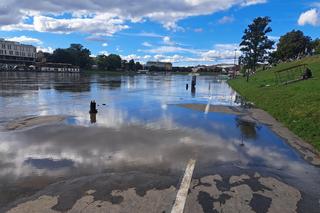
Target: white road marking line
(182, 194)
(208, 106)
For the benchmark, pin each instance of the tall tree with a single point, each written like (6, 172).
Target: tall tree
(132, 65)
(114, 62)
(138, 66)
(75, 55)
(102, 62)
(255, 43)
(316, 46)
(293, 45)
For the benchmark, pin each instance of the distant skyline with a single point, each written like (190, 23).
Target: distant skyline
(184, 32)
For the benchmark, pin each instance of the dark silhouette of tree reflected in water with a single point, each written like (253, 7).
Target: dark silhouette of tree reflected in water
(248, 130)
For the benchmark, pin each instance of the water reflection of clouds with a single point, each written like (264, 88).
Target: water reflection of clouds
(108, 147)
(95, 149)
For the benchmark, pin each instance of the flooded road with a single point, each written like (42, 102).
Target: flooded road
(132, 156)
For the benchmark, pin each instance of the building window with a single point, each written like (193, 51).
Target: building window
(3, 46)
(10, 52)
(1, 52)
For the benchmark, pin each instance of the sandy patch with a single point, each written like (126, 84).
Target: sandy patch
(33, 121)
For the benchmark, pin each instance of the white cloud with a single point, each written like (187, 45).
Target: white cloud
(96, 38)
(167, 40)
(100, 24)
(311, 17)
(252, 2)
(169, 49)
(274, 38)
(221, 53)
(135, 57)
(24, 39)
(103, 52)
(146, 44)
(45, 49)
(226, 20)
(104, 44)
(104, 17)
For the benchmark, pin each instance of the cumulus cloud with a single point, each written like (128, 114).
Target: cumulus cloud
(167, 40)
(220, 53)
(104, 17)
(104, 44)
(45, 49)
(311, 17)
(24, 39)
(169, 49)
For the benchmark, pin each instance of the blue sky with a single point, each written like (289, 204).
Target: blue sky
(185, 32)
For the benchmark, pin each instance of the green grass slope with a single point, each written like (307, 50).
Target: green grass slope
(296, 105)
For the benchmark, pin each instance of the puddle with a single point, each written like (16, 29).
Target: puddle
(140, 127)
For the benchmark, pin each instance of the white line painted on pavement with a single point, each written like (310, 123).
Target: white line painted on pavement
(182, 194)
(206, 111)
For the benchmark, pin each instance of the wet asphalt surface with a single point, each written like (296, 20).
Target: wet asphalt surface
(132, 155)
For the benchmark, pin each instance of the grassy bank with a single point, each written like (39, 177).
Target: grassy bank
(296, 105)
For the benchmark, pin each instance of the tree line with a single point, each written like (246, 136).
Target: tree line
(257, 47)
(77, 55)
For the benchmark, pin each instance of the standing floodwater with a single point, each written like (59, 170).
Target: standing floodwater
(132, 155)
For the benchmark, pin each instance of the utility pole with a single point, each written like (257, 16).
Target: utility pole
(235, 60)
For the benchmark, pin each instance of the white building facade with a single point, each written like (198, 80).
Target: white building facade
(15, 53)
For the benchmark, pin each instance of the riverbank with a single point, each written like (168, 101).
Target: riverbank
(295, 105)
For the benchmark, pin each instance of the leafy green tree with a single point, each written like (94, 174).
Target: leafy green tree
(132, 65)
(316, 46)
(111, 62)
(293, 45)
(114, 62)
(102, 62)
(61, 56)
(273, 58)
(256, 44)
(138, 66)
(75, 55)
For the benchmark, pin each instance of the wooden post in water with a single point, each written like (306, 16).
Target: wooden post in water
(93, 107)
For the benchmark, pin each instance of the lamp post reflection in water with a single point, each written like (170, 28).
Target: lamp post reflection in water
(93, 118)
(193, 85)
(93, 112)
(248, 130)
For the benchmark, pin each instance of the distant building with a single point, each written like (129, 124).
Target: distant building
(15, 53)
(43, 65)
(57, 67)
(165, 66)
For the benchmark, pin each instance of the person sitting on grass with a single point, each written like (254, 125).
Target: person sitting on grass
(307, 74)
